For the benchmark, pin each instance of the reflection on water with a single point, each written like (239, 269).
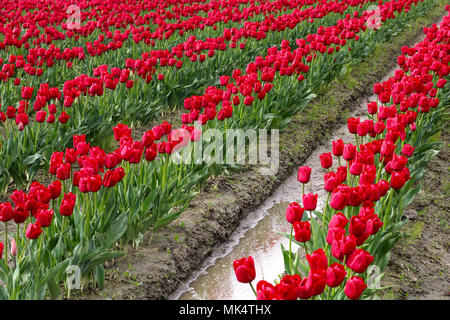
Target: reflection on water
(262, 243)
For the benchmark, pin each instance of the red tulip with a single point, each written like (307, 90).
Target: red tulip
(408, 150)
(63, 171)
(67, 204)
(332, 180)
(335, 275)
(294, 212)
(338, 148)
(354, 287)
(55, 189)
(33, 231)
(287, 289)
(316, 282)
(397, 180)
(317, 260)
(44, 218)
(339, 200)
(310, 201)
(326, 160)
(6, 211)
(302, 231)
(244, 269)
(304, 174)
(64, 117)
(349, 152)
(359, 260)
(266, 291)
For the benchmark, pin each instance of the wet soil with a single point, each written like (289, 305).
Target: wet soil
(420, 264)
(155, 270)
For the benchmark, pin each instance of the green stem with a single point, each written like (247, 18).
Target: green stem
(306, 248)
(325, 209)
(6, 242)
(290, 246)
(23, 250)
(253, 289)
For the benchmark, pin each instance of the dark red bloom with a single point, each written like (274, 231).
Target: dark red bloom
(244, 269)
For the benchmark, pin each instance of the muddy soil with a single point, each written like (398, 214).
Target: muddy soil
(420, 265)
(154, 271)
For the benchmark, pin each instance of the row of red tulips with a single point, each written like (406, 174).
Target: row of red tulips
(366, 196)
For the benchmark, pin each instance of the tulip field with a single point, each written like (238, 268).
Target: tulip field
(98, 97)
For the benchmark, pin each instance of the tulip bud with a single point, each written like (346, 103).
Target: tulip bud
(13, 247)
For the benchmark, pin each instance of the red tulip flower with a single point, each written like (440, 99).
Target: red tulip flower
(338, 148)
(304, 174)
(359, 260)
(294, 212)
(244, 269)
(354, 287)
(326, 160)
(310, 201)
(33, 231)
(302, 231)
(335, 275)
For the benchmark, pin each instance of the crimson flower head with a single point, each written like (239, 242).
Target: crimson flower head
(349, 152)
(27, 92)
(359, 260)
(64, 117)
(33, 231)
(354, 287)
(317, 281)
(317, 260)
(338, 147)
(326, 160)
(332, 180)
(397, 180)
(335, 275)
(44, 218)
(287, 289)
(304, 174)
(67, 204)
(245, 269)
(310, 201)
(302, 231)
(6, 211)
(352, 125)
(265, 291)
(339, 200)
(408, 150)
(294, 212)
(55, 189)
